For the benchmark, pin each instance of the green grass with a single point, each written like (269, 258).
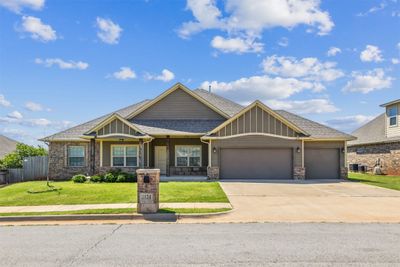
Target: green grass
(111, 211)
(391, 182)
(104, 193)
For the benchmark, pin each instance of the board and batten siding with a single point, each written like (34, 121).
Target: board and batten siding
(179, 105)
(116, 126)
(392, 131)
(257, 120)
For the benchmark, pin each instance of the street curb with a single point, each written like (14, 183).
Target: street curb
(156, 217)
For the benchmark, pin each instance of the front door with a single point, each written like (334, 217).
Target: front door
(160, 158)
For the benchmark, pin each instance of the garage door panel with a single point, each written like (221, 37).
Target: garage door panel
(322, 163)
(251, 163)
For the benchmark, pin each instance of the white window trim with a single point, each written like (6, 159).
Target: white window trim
(125, 146)
(395, 116)
(176, 157)
(84, 156)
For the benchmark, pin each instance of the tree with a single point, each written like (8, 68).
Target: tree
(15, 159)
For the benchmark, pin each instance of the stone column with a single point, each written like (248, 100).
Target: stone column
(141, 154)
(168, 151)
(92, 156)
(212, 173)
(148, 181)
(299, 173)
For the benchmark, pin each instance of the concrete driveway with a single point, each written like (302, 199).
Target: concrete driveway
(316, 201)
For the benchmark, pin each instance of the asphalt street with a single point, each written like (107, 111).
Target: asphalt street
(201, 244)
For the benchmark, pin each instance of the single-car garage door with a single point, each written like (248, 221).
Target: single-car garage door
(322, 163)
(253, 163)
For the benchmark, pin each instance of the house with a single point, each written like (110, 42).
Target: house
(7, 145)
(185, 132)
(378, 141)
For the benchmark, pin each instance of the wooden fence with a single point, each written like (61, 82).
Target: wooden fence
(34, 168)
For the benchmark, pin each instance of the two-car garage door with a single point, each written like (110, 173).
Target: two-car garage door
(256, 163)
(277, 163)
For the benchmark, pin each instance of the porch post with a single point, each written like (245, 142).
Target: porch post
(168, 149)
(92, 156)
(141, 154)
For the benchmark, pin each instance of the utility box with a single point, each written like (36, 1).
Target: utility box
(148, 190)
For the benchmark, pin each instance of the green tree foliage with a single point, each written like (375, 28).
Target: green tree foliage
(14, 159)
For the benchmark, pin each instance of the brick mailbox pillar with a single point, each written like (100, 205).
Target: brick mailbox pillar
(148, 181)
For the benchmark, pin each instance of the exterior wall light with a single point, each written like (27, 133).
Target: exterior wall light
(214, 149)
(298, 150)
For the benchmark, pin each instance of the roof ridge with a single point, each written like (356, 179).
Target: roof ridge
(320, 124)
(214, 94)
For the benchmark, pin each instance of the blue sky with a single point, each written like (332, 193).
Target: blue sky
(66, 62)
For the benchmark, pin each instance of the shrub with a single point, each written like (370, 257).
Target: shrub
(131, 178)
(79, 178)
(121, 178)
(110, 178)
(96, 179)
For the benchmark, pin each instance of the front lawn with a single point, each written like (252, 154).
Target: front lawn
(391, 182)
(104, 193)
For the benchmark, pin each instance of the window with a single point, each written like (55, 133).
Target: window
(124, 156)
(76, 156)
(392, 114)
(188, 156)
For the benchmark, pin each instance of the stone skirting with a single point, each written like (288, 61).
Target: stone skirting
(188, 171)
(299, 173)
(343, 173)
(213, 173)
(388, 154)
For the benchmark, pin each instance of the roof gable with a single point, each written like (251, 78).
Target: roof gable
(258, 118)
(178, 102)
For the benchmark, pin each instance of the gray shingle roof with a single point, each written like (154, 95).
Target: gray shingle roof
(7, 145)
(74, 133)
(154, 127)
(226, 105)
(314, 129)
(171, 127)
(372, 132)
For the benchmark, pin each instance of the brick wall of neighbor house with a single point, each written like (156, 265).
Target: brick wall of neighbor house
(58, 165)
(389, 155)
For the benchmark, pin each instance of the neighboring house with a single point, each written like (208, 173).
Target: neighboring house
(185, 132)
(378, 141)
(7, 145)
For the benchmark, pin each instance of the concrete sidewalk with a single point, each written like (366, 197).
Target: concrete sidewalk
(12, 209)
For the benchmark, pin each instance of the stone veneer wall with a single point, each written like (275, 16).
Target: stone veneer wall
(58, 165)
(389, 155)
(299, 173)
(188, 171)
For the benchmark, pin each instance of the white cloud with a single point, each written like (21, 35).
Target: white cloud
(236, 45)
(165, 76)
(333, 51)
(253, 16)
(310, 106)
(284, 42)
(38, 122)
(382, 5)
(38, 30)
(371, 53)
(32, 106)
(263, 87)
(49, 62)
(349, 123)
(368, 82)
(398, 46)
(4, 102)
(125, 73)
(109, 32)
(395, 61)
(15, 115)
(307, 68)
(17, 5)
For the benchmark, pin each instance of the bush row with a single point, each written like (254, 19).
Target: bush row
(116, 176)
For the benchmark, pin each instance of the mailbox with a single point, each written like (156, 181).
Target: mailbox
(146, 178)
(148, 181)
